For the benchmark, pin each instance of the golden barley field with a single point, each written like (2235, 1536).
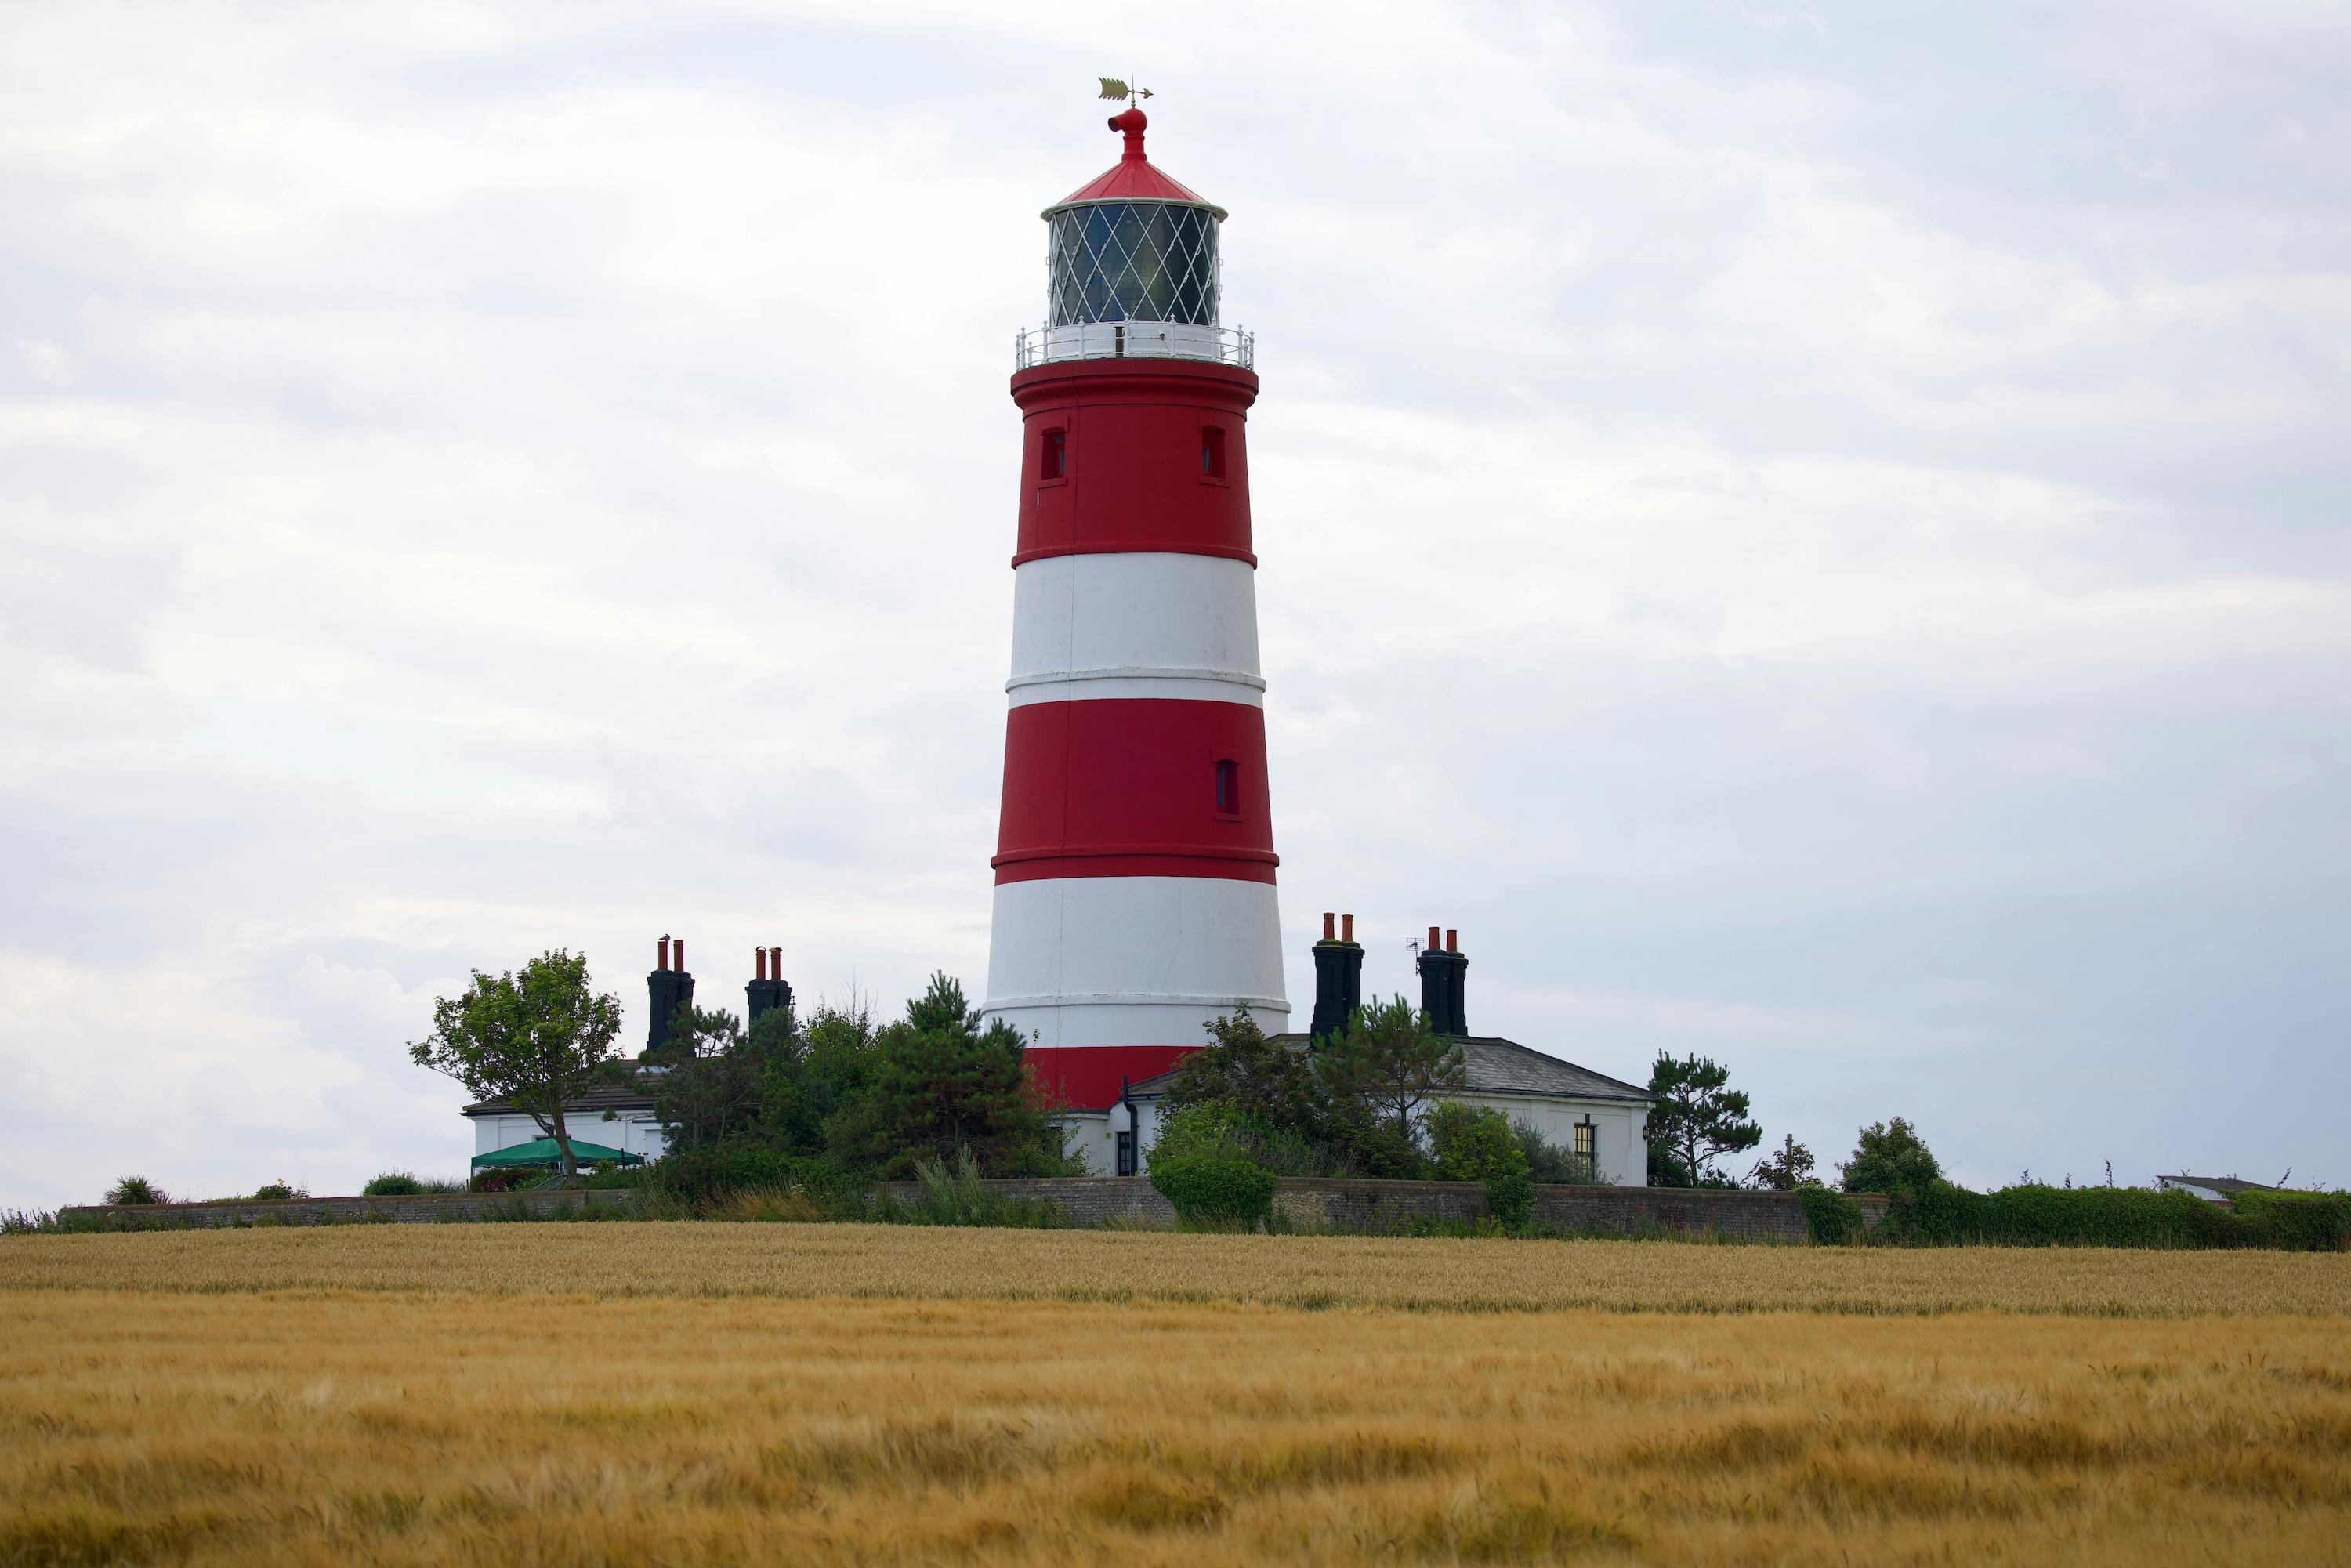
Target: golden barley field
(675, 1394)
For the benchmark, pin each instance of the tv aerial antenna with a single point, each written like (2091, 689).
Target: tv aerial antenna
(1117, 87)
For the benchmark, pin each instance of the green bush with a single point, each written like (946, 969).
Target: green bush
(960, 1196)
(2295, 1221)
(135, 1189)
(1831, 1217)
(1477, 1143)
(1208, 1190)
(716, 1173)
(277, 1191)
(1939, 1213)
(1210, 1130)
(408, 1184)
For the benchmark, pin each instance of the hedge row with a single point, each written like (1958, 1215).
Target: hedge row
(2036, 1215)
(698, 1177)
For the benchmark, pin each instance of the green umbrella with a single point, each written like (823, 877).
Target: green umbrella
(543, 1152)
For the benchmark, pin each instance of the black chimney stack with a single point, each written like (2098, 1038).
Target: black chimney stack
(1338, 979)
(1442, 971)
(768, 989)
(671, 988)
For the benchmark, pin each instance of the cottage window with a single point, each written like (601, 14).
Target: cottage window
(1127, 1153)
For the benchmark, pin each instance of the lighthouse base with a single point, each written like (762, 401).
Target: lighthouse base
(1088, 1077)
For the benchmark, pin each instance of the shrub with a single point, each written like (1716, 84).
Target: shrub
(1889, 1157)
(2035, 1215)
(1554, 1163)
(135, 1189)
(408, 1184)
(1831, 1217)
(960, 1196)
(1211, 1129)
(277, 1190)
(2295, 1221)
(713, 1174)
(1476, 1143)
(1215, 1192)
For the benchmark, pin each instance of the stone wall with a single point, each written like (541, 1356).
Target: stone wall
(1354, 1207)
(1089, 1202)
(1378, 1207)
(423, 1208)
(1386, 1207)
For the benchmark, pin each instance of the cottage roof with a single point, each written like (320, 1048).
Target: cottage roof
(638, 1096)
(2219, 1183)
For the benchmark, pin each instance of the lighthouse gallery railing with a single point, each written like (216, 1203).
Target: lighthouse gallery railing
(1034, 346)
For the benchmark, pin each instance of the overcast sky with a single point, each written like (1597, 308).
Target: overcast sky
(1815, 536)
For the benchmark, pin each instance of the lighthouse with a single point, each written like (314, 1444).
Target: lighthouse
(1134, 863)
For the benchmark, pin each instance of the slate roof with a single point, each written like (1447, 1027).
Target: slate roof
(1493, 1066)
(603, 1097)
(2229, 1185)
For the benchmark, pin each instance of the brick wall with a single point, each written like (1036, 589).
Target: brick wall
(1377, 1207)
(1086, 1201)
(1370, 1207)
(424, 1207)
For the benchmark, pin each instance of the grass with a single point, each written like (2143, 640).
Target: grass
(885, 1393)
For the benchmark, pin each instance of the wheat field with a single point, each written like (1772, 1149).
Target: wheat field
(759, 1394)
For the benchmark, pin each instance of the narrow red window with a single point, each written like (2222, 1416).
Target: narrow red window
(1212, 452)
(1054, 462)
(1229, 787)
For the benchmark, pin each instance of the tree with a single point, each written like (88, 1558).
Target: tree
(710, 1088)
(1378, 1071)
(1784, 1170)
(1892, 1158)
(940, 1084)
(1477, 1143)
(1697, 1116)
(533, 1037)
(1266, 1083)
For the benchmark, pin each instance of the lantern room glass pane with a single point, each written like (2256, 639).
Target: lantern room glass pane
(1133, 261)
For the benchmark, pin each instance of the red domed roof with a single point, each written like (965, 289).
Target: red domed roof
(1133, 178)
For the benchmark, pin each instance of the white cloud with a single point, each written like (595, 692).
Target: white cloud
(1802, 550)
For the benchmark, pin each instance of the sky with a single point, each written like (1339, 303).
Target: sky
(1815, 536)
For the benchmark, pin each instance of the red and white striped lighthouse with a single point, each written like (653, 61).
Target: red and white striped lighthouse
(1134, 892)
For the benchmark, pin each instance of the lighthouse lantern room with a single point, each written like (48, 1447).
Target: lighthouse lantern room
(1134, 865)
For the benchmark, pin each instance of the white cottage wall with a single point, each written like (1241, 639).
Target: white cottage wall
(634, 1132)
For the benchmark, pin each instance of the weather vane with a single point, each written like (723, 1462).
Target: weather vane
(1113, 86)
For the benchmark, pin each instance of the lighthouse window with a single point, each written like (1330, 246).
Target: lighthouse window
(1054, 462)
(1212, 453)
(1229, 788)
(1133, 261)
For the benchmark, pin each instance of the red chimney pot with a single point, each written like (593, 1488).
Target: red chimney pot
(1328, 918)
(1347, 928)
(1453, 941)
(677, 951)
(1432, 938)
(660, 959)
